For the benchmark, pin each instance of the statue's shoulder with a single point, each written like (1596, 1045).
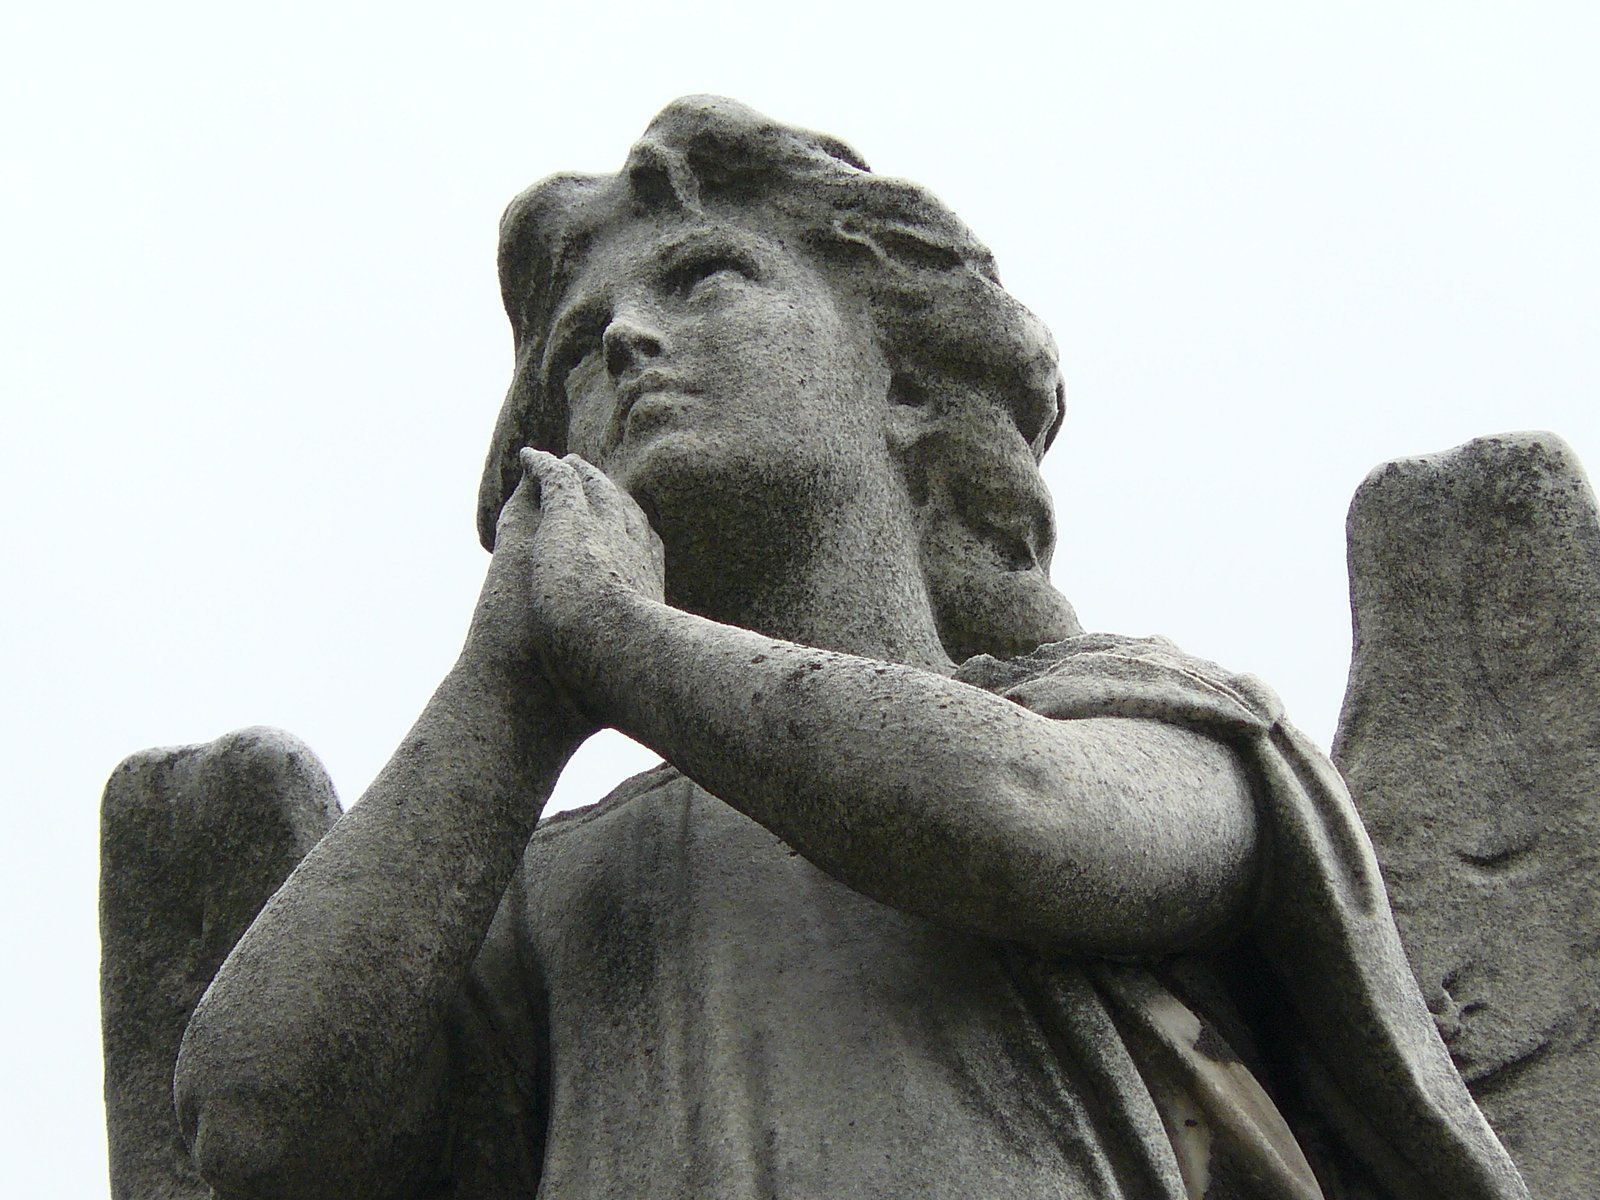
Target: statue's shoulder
(1115, 675)
(558, 826)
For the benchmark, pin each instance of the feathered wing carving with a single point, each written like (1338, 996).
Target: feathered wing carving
(1470, 738)
(193, 841)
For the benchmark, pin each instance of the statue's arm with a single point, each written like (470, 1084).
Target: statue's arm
(1106, 835)
(316, 1062)
(1116, 836)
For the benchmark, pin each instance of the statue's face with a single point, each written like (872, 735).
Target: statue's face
(690, 352)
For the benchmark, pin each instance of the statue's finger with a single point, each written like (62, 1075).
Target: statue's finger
(520, 511)
(590, 476)
(559, 485)
(603, 495)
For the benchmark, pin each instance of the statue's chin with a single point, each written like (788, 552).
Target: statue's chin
(682, 470)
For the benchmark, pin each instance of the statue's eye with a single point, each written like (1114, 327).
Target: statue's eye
(589, 359)
(709, 269)
(579, 341)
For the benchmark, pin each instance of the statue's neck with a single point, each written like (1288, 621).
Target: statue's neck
(846, 579)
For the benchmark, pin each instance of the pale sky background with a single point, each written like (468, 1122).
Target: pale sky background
(252, 345)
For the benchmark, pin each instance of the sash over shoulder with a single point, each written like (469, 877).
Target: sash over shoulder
(1359, 1043)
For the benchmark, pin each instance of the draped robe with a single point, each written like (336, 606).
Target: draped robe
(672, 1003)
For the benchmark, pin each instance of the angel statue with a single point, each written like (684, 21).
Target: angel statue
(935, 895)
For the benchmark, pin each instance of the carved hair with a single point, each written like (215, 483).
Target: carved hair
(978, 367)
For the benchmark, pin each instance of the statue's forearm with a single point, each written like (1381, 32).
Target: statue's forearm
(1119, 836)
(324, 1025)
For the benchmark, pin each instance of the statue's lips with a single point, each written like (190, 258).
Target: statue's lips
(646, 386)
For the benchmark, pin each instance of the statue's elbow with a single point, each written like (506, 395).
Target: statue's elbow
(239, 1134)
(235, 1155)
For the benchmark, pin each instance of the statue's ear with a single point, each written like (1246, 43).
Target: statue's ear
(985, 523)
(909, 423)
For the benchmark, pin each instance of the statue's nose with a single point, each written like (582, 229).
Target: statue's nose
(629, 342)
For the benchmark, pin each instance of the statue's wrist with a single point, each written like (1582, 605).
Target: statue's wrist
(539, 707)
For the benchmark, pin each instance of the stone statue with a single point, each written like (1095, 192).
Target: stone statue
(938, 896)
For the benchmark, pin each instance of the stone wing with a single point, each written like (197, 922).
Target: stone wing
(1470, 738)
(193, 841)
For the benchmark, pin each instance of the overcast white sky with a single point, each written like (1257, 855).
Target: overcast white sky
(252, 346)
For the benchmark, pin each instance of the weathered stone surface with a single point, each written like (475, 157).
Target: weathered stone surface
(1471, 741)
(193, 841)
(767, 472)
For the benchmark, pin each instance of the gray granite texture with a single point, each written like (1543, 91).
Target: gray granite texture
(193, 839)
(1471, 740)
(1082, 916)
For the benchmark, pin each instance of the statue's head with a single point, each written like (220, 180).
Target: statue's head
(962, 378)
